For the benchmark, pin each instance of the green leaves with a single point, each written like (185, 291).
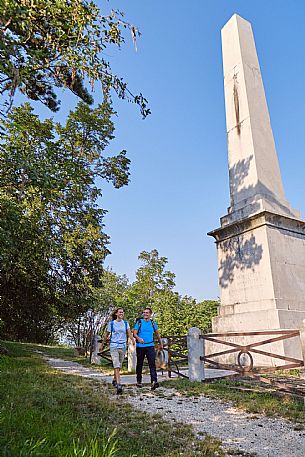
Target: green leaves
(47, 44)
(154, 287)
(52, 243)
(152, 277)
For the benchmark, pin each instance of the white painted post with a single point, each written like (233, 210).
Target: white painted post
(165, 344)
(96, 359)
(195, 346)
(131, 357)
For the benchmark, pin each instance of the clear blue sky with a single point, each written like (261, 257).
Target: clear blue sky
(179, 174)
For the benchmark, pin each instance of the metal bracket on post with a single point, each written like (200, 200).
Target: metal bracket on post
(195, 346)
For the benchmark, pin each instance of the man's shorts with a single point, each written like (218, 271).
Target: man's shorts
(117, 355)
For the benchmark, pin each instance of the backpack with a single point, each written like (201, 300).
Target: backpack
(139, 322)
(112, 328)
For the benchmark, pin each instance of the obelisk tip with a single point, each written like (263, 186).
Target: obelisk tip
(236, 18)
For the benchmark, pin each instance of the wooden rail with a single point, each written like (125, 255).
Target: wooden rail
(251, 348)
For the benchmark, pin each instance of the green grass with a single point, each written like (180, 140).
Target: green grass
(253, 402)
(44, 413)
(67, 353)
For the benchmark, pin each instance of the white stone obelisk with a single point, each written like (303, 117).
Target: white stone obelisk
(255, 179)
(261, 241)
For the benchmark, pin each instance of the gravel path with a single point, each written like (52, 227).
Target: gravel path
(254, 434)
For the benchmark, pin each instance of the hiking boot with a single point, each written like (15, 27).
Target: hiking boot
(154, 386)
(139, 384)
(114, 383)
(119, 389)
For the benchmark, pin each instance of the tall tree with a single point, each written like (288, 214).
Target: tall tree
(154, 286)
(51, 229)
(151, 278)
(47, 44)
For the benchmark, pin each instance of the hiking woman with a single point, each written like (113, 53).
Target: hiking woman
(117, 328)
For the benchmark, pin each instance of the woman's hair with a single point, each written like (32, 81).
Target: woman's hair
(149, 309)
(114, 314)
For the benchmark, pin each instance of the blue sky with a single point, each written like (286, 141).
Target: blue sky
(179, 182)
(179, 174)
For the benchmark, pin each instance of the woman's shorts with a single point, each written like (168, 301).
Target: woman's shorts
(117, 355)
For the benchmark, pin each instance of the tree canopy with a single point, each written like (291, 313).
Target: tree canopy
(52, 237)
(47, 44)
(154, 287)
(51, 229)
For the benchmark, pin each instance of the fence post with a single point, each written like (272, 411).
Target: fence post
(131, 357)
(96, 359)
(195, 346)
(302, 339)
(165, 344)
(169, 372)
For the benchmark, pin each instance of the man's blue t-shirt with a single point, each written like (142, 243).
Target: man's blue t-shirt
(146, 332)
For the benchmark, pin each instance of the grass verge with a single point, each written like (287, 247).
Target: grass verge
(67, 353)
(253, 402)
(46, 413)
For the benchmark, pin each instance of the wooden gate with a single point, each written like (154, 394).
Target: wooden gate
(176, 347)
(251, 348)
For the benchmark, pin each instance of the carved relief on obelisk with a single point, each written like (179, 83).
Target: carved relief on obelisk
(261, 241)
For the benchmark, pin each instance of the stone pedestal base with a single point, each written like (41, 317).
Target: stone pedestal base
(261, 264)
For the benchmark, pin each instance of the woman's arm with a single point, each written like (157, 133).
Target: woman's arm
(131, 336)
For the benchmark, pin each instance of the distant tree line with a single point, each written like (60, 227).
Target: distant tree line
(152, 287)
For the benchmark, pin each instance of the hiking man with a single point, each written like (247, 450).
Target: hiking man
(144, 334)
(117, 328)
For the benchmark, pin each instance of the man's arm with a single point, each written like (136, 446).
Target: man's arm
(140, 340)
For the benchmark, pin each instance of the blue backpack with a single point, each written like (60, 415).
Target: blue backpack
(139, 322)
(112, 328)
